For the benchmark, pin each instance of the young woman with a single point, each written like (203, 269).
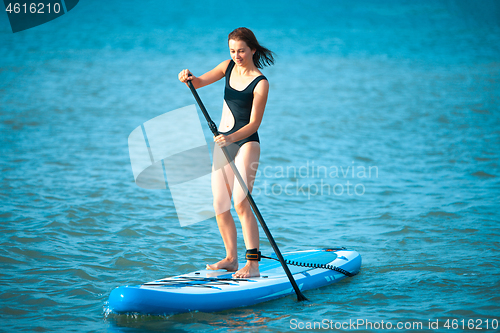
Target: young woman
(245, 98)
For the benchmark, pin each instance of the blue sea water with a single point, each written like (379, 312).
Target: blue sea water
(381, 134)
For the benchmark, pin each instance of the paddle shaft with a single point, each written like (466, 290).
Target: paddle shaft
(215, 131)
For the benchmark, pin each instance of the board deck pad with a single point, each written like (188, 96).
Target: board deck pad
(209, 290)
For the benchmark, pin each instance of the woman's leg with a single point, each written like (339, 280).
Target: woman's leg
(247, 162)
(222, 184)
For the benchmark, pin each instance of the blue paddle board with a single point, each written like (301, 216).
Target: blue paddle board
(208, 290)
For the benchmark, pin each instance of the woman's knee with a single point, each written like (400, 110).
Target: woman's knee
(242, 208)
(221, 206)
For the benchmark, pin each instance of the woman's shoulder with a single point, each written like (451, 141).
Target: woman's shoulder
(262, 87)
(224, 65)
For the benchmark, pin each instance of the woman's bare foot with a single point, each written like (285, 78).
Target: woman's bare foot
(251, 269)
(231, 265)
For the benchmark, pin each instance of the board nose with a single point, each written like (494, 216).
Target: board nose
(121, 300)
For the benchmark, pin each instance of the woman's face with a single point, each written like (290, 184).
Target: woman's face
(241, 54)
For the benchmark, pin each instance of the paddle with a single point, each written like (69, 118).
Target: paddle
(214, 130)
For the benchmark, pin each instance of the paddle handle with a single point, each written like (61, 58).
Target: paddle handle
(215, 131)
(211, 124)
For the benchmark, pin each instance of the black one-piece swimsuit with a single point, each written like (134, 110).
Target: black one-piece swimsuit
(240, 104)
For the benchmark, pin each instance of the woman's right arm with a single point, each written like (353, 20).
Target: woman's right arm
(208, 78)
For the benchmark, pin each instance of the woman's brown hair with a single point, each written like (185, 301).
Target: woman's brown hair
(262, 56)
